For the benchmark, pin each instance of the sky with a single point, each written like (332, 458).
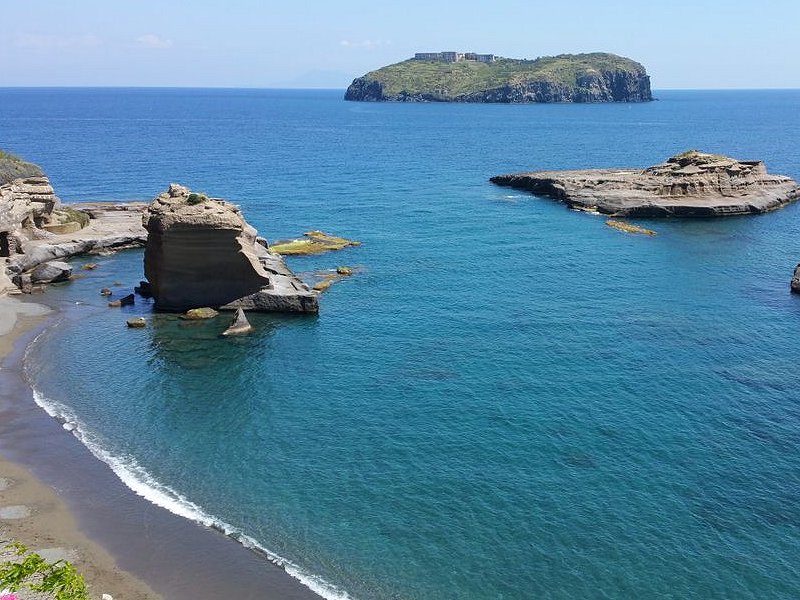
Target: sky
(701, 44)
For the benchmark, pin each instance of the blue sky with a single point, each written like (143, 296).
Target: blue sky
(303, 43)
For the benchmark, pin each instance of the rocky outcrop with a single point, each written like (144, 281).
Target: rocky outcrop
(201, 252)
(35, 228)
(596, 77)
(795, 285)
(51, 272)
(691, 184)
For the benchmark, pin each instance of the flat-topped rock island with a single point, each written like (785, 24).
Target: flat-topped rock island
(691, 184)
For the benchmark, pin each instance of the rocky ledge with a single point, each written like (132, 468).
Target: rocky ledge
(201, 252)
(691, 184)
(36, 229)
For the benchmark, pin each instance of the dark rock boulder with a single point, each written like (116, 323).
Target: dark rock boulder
(795, 285)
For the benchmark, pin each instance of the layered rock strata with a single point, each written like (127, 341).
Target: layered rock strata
(201, 252)
(35, 228)
(691, 184)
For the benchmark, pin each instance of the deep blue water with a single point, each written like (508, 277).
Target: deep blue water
(512, 400)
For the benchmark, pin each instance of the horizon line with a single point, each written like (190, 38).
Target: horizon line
(281, 88)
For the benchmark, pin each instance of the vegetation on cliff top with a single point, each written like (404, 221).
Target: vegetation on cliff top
(13, 167)
(464, 77)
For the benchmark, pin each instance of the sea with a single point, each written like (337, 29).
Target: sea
(507, 400)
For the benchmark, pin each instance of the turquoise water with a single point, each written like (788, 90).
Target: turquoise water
(511, 400)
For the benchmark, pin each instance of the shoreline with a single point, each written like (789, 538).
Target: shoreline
(123, 544)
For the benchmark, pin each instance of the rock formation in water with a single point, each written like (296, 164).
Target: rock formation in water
(691, 184)
(201, 252)
(795, 284)
(454, 77)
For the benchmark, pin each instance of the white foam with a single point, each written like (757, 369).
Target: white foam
(136, 477)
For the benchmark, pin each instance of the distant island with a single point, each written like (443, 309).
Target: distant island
(471, 77)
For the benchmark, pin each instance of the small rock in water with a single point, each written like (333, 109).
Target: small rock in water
(143, 289)
(795, 285)
(196, 314)
(240, 325)
(124, 301)
(105, 292)
(137, 323)
(344, 270)
(89, 266)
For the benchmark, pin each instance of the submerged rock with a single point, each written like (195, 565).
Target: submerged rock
(691, 184)
(312, 242)
(240, 325)
(201, 252)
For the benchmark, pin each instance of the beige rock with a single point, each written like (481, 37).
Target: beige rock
(197, 314)
(691, 184)
(201, 252)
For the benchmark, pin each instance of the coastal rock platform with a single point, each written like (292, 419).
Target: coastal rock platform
(691, 184)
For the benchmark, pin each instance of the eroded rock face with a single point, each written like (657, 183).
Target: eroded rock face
(201, 252)
(691, 184)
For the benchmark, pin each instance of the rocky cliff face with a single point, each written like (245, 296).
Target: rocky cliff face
(27, 203)
(692, 184)
(201, 252)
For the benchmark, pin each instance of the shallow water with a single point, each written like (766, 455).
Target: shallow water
(512, 400)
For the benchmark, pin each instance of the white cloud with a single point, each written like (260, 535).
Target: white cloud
(44, 41)
(151, 40)
(364, 43)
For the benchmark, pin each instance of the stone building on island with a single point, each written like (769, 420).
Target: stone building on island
(452, 57)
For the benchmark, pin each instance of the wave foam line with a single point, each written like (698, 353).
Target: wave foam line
(136, 478)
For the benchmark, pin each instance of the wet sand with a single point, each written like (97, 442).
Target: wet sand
(124, 545)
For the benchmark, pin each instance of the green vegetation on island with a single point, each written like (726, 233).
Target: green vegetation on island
(595, 77)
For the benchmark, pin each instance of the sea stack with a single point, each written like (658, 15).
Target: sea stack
(201, 252)
(690, 184)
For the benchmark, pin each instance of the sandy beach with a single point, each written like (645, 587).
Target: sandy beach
(36, 515)
(56, 497)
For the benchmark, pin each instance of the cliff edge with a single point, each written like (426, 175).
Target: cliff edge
(595, 77)
(690, 184)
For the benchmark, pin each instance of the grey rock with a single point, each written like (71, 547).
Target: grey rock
(51, 272)
(136, 323)
(692, 184)
(795, 285)
(240, 325)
